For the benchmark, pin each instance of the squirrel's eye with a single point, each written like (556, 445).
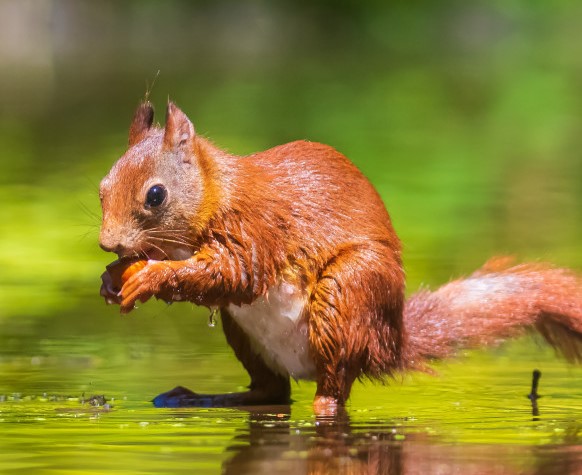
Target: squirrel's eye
(155, 196)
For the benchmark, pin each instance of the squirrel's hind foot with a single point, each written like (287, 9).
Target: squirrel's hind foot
(183, 397)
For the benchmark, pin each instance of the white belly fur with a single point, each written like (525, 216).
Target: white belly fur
(277, 333)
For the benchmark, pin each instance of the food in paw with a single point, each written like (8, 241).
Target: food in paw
(132, 269)
(122, 269)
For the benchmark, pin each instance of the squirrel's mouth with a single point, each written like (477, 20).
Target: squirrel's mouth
(156, 253)
(174, 253)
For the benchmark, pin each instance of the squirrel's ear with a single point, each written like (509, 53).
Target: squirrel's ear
(179, 130)
(142, 121)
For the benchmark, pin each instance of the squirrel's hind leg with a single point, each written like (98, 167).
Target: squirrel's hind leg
(355, 322)
(267, 387)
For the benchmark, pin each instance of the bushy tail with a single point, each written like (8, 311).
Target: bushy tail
(495, 303)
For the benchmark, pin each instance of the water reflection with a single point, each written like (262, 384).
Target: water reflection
(334, 445)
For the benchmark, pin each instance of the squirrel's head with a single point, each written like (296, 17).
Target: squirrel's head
(152, 195)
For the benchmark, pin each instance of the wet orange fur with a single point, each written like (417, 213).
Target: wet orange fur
(304, 213)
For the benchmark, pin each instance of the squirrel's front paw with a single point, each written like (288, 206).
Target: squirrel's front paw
(156, 278)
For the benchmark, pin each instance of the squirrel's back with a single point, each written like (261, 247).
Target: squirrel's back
(315, 195)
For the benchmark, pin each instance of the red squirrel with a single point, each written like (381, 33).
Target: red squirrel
(296, 249)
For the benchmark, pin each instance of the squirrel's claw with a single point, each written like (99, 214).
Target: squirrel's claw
(108, 290)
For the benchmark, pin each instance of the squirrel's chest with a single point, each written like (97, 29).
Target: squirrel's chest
(277, 330)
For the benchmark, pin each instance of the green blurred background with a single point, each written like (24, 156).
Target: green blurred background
(466, 115)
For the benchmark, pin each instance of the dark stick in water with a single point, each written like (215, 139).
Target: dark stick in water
(533, 395)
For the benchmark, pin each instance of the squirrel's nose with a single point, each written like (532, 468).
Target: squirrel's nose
(109, 244)
(118, 249)
(107, 247)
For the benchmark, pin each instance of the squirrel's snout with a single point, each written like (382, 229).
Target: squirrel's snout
(118, 249)
(109, 247)
(108, 243)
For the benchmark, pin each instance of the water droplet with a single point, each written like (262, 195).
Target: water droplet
(212, 318)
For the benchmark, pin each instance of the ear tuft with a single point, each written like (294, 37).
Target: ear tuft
(179, 131)
(143, 118)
